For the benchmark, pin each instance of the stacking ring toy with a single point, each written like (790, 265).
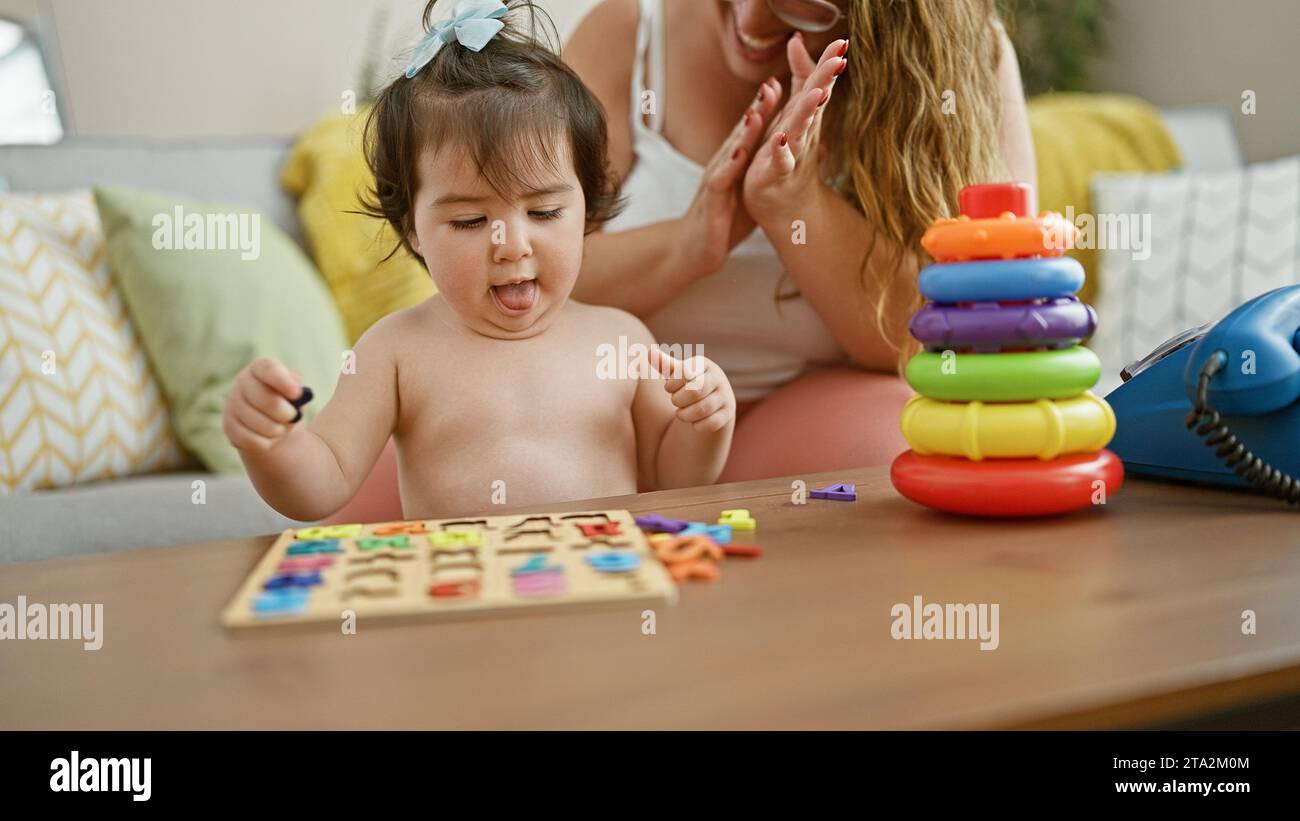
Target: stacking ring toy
(992, 326)
(1044, 429)
(1004, 237)
(1004, 280)
(1008, 487)
(992, 199)
(1020, 376)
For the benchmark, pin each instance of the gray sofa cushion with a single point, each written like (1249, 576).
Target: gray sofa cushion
(1205, 137)
(142, 511)
(154, 510)
(236, 171)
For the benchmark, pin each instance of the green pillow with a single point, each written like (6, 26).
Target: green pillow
(210, 288)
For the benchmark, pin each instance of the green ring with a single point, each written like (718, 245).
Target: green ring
(1021, 376)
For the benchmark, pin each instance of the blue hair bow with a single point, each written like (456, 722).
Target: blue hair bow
(472, 24)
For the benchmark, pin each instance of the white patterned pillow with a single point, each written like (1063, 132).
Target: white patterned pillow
(78, 401)
(1216, 240)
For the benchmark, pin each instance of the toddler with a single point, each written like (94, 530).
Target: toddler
(490, 162)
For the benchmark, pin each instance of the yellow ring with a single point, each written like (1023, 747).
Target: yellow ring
(1005, 237)
(1046, 428)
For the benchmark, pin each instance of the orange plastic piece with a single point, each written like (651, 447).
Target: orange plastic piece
(463, 588)
(1004, 237)
(401, 528)
(675, 549)
(697, 569)
(688, 557)
(748, 551)
(600, 529)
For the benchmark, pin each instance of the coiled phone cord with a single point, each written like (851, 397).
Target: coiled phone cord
(1231, 450)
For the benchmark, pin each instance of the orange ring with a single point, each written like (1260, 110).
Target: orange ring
(1006, 237)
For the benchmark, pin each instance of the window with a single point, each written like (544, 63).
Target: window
(29, 112)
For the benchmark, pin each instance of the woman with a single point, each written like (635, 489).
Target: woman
(781, 160)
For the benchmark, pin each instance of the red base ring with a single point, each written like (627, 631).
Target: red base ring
(1007, 487)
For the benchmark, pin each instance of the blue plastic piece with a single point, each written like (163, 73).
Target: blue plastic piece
(311, 547)
(535, 564)
(281, 581)
(1003, 280)
(718, 533)
(286, 602)
(614, 561)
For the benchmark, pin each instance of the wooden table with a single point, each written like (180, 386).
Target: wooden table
(1124, 615)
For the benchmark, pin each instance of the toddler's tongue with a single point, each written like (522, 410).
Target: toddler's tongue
(517, 297)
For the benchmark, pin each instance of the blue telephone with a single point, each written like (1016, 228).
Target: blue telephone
(1235, 384)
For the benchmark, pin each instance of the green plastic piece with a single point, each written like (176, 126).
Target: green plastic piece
(376, 542)
(1020, 376)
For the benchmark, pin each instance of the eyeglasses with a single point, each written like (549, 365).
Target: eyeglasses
(805, 15)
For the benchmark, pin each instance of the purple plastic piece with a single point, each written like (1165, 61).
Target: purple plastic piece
(842, 492)
(655, 523)
(992, 326)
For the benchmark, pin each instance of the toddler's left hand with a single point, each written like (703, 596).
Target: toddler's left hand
(699, 389)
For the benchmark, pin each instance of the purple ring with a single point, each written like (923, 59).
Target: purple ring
(992, 326)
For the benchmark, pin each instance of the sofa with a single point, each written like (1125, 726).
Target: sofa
(154, 509)
(157, 509)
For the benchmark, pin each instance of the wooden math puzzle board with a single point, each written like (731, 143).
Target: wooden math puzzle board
(374, 579)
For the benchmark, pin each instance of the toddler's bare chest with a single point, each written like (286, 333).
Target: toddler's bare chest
(559, 396)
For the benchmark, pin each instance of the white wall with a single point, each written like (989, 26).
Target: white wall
(1207, 52)
(19, 9)
(170, 68)
(231, 67)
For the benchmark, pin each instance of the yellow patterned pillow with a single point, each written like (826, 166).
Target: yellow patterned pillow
(327, 172)
(78, 401)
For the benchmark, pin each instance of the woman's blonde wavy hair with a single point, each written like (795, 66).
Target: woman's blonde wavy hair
(901, 158)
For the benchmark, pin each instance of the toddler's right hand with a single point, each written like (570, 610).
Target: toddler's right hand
(262, 405)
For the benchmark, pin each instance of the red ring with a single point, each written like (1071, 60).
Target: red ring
(1006, 487)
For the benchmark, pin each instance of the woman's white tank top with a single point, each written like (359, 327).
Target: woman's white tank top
(733, 313)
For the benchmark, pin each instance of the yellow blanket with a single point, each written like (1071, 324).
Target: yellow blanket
(1076, 134)
(327, 172)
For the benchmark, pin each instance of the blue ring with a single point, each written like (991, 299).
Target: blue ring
(1001, 279)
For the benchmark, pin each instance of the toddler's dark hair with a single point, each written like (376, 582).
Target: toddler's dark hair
(509, 106)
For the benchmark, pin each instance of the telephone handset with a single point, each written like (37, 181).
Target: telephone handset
(1235, 383)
